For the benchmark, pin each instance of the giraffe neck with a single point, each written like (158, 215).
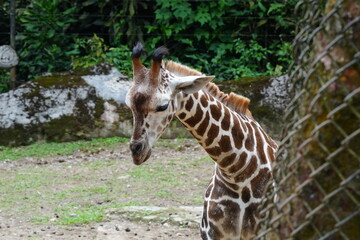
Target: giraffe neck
(243, 154)
(234, 141)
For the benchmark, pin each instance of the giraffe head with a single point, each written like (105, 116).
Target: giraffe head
(152, 99)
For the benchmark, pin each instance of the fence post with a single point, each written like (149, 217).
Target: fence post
(12, 40)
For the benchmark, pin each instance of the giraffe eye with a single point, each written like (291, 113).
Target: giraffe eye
(162, 107)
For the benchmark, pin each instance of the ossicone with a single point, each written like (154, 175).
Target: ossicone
(138, 67)
(160, 53)
(138, 50)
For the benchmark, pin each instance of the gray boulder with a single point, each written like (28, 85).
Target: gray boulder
(66, 106)
(8, 57)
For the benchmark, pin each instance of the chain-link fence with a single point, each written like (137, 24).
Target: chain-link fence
(317, 174)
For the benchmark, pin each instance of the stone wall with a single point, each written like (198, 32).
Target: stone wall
(268, 99)
(89, 103)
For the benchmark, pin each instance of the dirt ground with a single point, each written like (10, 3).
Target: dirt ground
(175, 176)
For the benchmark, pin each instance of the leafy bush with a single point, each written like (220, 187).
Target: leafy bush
(94, 50)
(43, 43)
(227, 38)
(230, 39)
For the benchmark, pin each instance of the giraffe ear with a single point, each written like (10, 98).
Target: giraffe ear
(191, 84)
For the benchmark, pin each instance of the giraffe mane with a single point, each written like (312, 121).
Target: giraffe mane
(234, 101)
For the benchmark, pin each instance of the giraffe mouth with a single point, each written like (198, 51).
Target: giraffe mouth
(139, 159)
(141, 151)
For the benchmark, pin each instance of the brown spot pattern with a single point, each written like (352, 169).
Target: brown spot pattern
(182, 105)
(140, 100)
(271, 154)
(239, 163)
(249, 142)
(204, 101)
(170, 117)
(159, 128)
(245, 194)
(225, 123)
(232, 213)
(214, 232)
(215, 112)
(244, 127)
(260, 147)
(212, 134)
(215, 151)
(220, 190)
(211, 99)
(215, 211)
(259, 183)
(182, 115)
(164, 121)
(189, 104)
(237, 134)
(248, 171)
(227, 161)
(249, 221)
(203, 125)
(261, 153)
(192, 121)
(225, 143)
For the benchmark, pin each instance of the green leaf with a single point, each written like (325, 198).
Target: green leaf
(262, 22)
(89, 2)
(183, 11)
(69, 11)
(261, 6)
(203, 18)
(163, 16)
(27, 12)
(275, 7)
(51, 33)
(60, 24)
(168, 32)
(186, 41)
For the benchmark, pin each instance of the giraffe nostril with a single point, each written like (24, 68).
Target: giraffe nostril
(136, 148)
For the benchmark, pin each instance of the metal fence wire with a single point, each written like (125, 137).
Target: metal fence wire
(317, 174)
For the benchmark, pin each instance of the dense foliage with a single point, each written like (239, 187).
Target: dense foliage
(226, 38)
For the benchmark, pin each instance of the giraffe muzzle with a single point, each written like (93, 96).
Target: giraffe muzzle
(136, 147)
(140, 152)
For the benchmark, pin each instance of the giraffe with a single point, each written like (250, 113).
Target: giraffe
(223, 126)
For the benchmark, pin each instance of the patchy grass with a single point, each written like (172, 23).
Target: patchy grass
(80, 189)
(72, 214)
(176, 144)
(51, 149)
(26, 185)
